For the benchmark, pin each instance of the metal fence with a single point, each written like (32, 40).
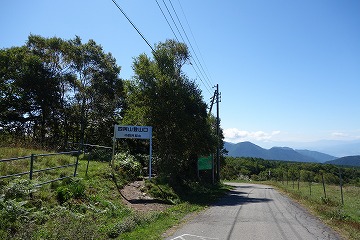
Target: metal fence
(90, 150)
(32, 159)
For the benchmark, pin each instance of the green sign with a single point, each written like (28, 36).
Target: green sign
(205, 163)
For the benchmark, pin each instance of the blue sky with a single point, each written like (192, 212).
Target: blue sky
(288, 71)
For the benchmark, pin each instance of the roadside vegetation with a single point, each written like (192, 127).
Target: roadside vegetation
(91, 206)
(56, 93)
(305, 183)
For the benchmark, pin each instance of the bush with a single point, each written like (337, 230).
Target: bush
(162, 191)
(63, 194)
(18, 189)
(129, 223)
(16, 219)
(71, 188)
(127, 166)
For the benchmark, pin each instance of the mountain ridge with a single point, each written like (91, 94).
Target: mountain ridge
(346, 161)
(248, 149)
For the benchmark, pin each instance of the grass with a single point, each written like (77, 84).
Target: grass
(163, 221)
(40, 162)
(88, 206)
(345, 219)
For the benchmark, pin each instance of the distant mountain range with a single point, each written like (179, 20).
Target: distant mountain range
(347, 161)
(338, 148)
(248, 149)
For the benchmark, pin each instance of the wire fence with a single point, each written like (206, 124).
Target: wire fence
(334, 190)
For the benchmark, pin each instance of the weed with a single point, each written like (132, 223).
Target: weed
(162, 191)
(127, 166)
(338, 214)
(71, 188)
(19, 188)
(129, 223)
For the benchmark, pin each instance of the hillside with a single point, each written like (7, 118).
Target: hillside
(321, 157)
(346, 161)
(248, 149)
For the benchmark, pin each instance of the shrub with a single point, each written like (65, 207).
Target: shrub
(162, 191)
(18, 189)
(127, 166)
(129, 223)
(71, 188)
(63, 194)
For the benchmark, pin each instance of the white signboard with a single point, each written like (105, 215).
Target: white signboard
(135, 132)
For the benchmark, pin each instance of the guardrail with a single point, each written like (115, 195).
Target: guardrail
(31, 171)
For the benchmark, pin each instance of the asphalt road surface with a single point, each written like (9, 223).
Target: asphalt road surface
(253, 211)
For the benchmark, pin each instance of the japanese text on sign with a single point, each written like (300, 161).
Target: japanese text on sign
(137, 132)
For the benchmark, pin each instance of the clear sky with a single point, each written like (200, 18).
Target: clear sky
(287, 70)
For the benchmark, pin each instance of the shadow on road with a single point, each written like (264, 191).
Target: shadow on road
(234, 198)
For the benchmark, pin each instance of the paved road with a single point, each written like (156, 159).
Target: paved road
(252, 211)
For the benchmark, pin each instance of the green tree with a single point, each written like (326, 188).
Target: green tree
(98, 90)
(47, 84)
(30, 91)
(162, 96)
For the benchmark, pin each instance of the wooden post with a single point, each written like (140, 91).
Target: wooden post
(341, 188)
(299, 183)
(323, 182)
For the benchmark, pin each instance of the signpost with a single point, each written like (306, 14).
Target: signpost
(206, 163)
(133, 132)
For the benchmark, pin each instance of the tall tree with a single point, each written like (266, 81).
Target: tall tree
(162, 96)
(32, 88)
(98, 90)
(47, 84)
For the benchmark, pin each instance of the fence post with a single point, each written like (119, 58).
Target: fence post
(323, 183)
(77, 162)
(287, 178)
(299, 182)
(341, 188)
(31, 165)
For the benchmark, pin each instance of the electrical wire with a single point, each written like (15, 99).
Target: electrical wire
(206, 85)
(167, 20)
(138, 31)
(197, 59)
(201, 70)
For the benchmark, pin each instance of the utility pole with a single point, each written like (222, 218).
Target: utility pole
(217, 134)
(216, 162)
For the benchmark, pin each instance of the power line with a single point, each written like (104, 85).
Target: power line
(173, 20)
(167, 20)
(197, 59)
(138, 31)
(206, 85)
(197, 46)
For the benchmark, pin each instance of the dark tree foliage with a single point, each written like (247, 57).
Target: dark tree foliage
(54, 91)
